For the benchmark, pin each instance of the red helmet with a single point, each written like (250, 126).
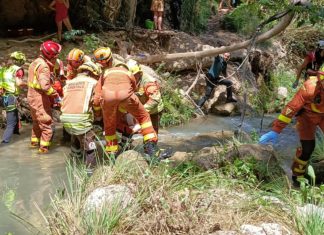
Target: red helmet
(50, 49)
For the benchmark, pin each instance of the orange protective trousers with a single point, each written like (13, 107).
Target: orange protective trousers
(40, 107)
(116, 89)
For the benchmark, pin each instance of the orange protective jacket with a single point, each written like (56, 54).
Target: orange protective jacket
(309, 99)
(39, 91)
(39, 81)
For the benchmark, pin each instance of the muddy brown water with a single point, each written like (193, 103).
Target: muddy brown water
(27, 179)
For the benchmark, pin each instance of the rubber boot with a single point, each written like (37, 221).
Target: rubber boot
(75, 152)
(43, 149)
(298, 167)
(152, 152)
(90, 161)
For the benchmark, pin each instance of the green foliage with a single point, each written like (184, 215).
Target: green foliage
(311, 223)
(266, 99)
(244, 19)
(318, 154)
(70, 35)
(309, 192)
(242, 170)
(177, 110)
(91, 42)
(194, 15)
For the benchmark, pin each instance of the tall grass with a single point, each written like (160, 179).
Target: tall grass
(168, 199)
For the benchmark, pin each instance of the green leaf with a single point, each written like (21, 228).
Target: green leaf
(311, 173)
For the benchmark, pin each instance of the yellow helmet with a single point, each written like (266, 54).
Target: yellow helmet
(102, 53)
(19, 56)
(75, 55)
(321, 73)
(133, 66)
(90, 67)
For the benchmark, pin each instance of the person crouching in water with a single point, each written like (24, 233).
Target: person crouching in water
(116, 89)
(77, 112)
(10, 83)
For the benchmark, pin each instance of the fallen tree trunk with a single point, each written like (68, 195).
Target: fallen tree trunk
(281, 26)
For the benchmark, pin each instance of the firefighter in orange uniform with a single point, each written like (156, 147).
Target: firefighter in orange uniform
(76, 110)
(148, 91)
(39, 92)
(308, 104)
(117, 87)
(75, 59)
(103, 57)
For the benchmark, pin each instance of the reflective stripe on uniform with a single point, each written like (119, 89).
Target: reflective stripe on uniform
(35, 139)
(297, 170)
(314, 108)
(299, 161)
(96, 108)
(35, 84)
(50, 91)
(10, 107)
(112, 148)
(149, 137)
(284, 119)
(146, 125)
(45, 143)
(111, 137)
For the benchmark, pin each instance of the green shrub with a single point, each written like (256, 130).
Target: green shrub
(194, 15)
(177, 110)
(266, 99)
(244, 19)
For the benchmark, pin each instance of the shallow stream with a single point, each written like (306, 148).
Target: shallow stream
(27, 179)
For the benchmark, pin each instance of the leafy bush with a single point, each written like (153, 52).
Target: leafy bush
(176, 109)
(244, 19)
(194, 15)
(318, 154)
(266, 99)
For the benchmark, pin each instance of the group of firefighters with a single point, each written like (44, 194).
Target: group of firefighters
(129, 101)
(86, 90)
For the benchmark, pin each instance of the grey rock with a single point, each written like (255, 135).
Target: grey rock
(105, 198)
(310, 209)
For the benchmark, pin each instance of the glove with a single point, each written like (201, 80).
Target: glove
(295, 84)
(270, 136)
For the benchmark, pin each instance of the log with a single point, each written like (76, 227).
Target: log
(281, 26)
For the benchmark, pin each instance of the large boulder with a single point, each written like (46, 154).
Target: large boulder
(223, 109)
(263, 229)
(107, 199)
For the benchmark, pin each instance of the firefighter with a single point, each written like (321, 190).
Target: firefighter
(148, 92)
(75, 59)
(10, 83)
(308, 103)
(312, 62)
(116, 89)
(39, 92)
(76, 110)
(103, 56)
